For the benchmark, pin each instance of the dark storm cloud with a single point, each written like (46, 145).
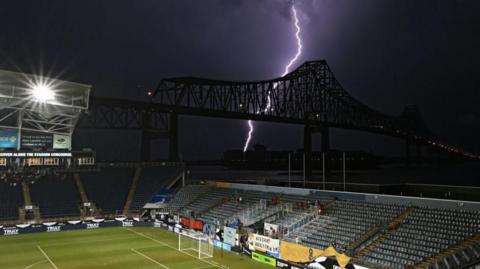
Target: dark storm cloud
(387, 54)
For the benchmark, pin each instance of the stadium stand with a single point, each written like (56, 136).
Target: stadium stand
(56, 196)
(210, 199)
(232, 205)
(425, 233)
(185, 196)
(152, 181)
(11, 199)
(344, 222)
(381, 234)
(108, 188)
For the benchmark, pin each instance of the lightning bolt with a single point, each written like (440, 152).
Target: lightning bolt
(268, 106)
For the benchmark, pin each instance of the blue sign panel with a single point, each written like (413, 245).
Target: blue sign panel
(219, 244)
(8, 139)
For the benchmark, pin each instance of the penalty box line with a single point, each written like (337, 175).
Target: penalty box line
(167, 245)
(48, 258)
(150, 259)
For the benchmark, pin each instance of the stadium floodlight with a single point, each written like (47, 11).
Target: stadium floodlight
(43, 93)
(41, 104)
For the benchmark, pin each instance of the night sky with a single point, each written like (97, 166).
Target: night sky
(386, 53)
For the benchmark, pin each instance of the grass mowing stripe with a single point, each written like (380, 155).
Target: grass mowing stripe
(88, 241)
(167, 245)
(48, 258)
(148, 258)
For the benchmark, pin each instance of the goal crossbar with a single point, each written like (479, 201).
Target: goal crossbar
(195, 242)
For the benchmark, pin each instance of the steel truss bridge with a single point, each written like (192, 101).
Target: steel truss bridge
(310, 96)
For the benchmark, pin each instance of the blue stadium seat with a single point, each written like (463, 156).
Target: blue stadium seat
(108, 189)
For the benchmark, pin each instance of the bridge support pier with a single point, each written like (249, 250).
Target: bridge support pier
(307, 150)
(326, 150)
(146, 137)
(173, 137)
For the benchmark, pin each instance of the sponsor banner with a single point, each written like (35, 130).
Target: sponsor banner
(221, 245)
(193, 224)
(229, 235)
(127, 223)
(71, 225)
(270, 229)
(302, 254)
(23, 225)
(36, 154)
(35, 140)
(264, 244)
(94, 225)
(264, 259)
(287, 265)
(298, 253)
(8, 139)
(62, 141)
(55, 228)
(11, 231)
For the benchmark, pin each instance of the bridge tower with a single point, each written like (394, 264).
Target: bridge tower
(307, 147)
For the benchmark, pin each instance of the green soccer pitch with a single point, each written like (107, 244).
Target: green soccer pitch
(109, 248)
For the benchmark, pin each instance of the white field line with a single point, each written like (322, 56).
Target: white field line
(167, 245)
(150, 259)
(46, 256)
(34, 264)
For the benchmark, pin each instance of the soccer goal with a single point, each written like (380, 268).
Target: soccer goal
(197, 245)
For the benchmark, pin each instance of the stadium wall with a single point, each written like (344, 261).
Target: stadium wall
(391, 199)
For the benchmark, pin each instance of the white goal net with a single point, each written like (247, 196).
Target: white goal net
(195, 244)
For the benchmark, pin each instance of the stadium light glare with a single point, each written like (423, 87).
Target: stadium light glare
(43, 93)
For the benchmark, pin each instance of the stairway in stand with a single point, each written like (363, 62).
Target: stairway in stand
(133, 188)
(449, 251)
(83, 196)
(27, 200)
(80, 188)
(391, 228)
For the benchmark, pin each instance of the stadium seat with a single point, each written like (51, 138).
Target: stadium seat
(57, 196)
(11, 199)
(108, 188)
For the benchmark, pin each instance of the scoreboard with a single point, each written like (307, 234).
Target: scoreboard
(67, 159)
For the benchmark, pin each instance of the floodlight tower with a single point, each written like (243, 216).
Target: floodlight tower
(41, 105)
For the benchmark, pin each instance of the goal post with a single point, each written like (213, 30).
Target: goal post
(195, 244)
